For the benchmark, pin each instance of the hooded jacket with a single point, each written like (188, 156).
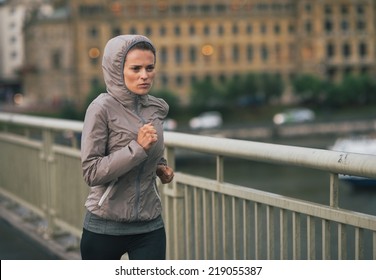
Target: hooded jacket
(120, 173)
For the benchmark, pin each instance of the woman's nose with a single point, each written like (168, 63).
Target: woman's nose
(144, 74)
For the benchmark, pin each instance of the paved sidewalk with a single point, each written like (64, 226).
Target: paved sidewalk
(15, 245)
(22, 238)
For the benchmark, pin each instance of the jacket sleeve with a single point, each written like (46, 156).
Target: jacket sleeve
(98, 166)
(162, 161)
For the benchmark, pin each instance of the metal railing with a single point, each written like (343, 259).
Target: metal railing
(205, 218)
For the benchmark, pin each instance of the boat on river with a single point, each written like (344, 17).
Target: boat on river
(361, 145)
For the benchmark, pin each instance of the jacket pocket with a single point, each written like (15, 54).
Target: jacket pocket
(106, 193)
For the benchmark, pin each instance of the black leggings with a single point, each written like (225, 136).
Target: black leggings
(145, 246)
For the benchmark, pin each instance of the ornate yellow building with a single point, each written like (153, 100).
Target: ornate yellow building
(201, 38)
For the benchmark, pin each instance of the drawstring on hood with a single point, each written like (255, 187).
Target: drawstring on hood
(114, 55)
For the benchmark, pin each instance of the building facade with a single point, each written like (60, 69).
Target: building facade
(12, 51)
(198, 39)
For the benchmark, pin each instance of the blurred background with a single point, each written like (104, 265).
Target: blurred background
(248, 59)
(221, 64)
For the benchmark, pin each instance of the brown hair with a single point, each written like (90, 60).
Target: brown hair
(145, 46)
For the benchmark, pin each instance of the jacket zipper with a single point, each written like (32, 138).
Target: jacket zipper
(138, 178)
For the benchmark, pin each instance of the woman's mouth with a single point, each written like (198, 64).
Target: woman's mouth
(144, 85)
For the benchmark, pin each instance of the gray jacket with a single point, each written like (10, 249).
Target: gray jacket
(121, 174)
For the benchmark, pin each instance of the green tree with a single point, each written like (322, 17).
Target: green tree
(69, 111)
(308, 88)
(205, 95)
(370, 89)
(270, 86)
(241, 90)
(353, 90)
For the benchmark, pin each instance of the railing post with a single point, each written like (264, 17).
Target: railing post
(220, 175)
(174, 213)
(48, 175)
(334, 190)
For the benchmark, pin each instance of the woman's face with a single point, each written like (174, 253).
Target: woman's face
(139, 71)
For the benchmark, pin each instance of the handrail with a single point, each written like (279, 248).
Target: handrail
(331, 161)
(41, 122)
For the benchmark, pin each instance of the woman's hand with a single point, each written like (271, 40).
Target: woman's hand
(165, 173)
(147, 136)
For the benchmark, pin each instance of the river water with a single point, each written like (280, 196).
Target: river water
(296, 182)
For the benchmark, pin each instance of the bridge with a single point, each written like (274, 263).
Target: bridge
(206, 218)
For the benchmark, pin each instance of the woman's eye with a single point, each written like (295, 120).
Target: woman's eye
(150, 68)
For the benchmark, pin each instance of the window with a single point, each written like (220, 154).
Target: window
(177, 9)
(93, 32)
(264, 53)
(94, 82)
(178, 55)
(344, 25)
(291, 29)
(263, 28)
(162, 30)
(222, 78)
(346, 50)
(56, 59)
(164, 80)
(193, 79)
(361, 25)
(308, 27)
(292, 51)
(191, 8)
(221, 54)
(348, 71)
(364, 70)
(163, 55)
(235, 29)
(179, 80)
(148, 31)
(278, 52)
(362, 49)
(277, 29)
(308, 8)
(177, 30)
(235, 53)
(331, 72)
(249, 53)
(116, 31)
(249, 29)
(328, 25)
(344, 9)
(205, 8)
(206, 29)
(133, 30)
(360, 9)
(330, 51)
(220, 8)
(221, 30)
(328, 9)
(192, 54)
(192, 30)
(13, 39)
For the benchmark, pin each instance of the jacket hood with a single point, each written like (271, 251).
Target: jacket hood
(114, 55)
